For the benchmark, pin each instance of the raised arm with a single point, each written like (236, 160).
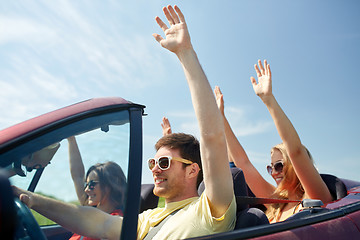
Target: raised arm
(84, 220)
(258, 185)
(166, 127)
(309, 177)
(217, 177)
(77, 170)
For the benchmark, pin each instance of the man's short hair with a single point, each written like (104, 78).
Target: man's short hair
(188, 146)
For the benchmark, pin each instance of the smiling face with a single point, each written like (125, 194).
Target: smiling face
(94, 193)
(276, 156)
(170, 184)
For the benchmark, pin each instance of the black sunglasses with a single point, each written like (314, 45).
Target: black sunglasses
(278, 166)
(91, 184)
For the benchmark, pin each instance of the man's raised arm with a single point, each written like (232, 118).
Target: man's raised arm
(217, 176)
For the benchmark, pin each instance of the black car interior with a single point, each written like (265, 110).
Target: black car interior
(7, 208)
(249, 215)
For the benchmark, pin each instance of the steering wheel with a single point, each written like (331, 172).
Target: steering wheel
(27, 227)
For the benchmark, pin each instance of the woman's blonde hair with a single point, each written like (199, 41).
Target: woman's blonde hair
(289, 184)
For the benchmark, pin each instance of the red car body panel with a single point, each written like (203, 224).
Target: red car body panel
(352, 197)
(32, 124)
(345, 227)
(339, 228)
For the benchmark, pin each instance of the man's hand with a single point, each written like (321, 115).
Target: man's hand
(23, 195)
(219, 99)
(177, 37)
(166, 127)
(264, 86)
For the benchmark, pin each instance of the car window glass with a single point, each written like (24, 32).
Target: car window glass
(108, 143)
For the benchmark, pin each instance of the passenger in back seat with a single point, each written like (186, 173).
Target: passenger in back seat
(103, 186)
(291, 164)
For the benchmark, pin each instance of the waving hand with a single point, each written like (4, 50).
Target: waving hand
(166, 127)
(177, 37)
(263, 87)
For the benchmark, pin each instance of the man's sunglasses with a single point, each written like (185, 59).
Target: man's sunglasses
(91, 184)
(278, 166)
(165, 161)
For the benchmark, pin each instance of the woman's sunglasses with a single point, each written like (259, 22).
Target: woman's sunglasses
(164, 162)
(278, 166)
(91, 184)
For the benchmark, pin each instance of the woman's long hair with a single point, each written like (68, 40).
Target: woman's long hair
(289, 184)
(112, 181)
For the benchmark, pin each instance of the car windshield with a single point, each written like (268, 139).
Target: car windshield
(100, 139)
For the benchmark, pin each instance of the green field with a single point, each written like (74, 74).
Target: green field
(43, 221)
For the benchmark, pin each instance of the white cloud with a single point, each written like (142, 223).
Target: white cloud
(185, 122)
(241, 124)
(29, 90)
(55, 54)
(20, 29)
(259, 158)
(183, 114)
(330, 166)
(100, 52)
(191, 127)
(239, 119)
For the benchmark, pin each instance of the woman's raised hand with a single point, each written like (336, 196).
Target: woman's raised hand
(263, 87)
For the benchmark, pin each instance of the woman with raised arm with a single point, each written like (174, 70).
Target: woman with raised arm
(291, 164)
(102, 187)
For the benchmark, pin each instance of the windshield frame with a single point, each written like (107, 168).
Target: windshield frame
(76, 123)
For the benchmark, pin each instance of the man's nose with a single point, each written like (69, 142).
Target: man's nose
(156, 169)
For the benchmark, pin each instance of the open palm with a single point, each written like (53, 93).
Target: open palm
(177, 37)
(166, 127)
(264, 86)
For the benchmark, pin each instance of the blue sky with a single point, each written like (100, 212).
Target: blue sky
(55, 53)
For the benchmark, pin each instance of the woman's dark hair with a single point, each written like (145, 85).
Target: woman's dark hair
(112, 180)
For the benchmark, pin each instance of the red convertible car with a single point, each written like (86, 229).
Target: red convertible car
(34, 156)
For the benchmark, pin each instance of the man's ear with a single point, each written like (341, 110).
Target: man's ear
(193, 170)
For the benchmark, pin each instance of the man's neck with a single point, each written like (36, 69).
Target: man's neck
(180, 198)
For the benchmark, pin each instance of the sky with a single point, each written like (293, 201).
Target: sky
(56, 53)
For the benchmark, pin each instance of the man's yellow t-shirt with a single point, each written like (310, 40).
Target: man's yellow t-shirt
(192, 220)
